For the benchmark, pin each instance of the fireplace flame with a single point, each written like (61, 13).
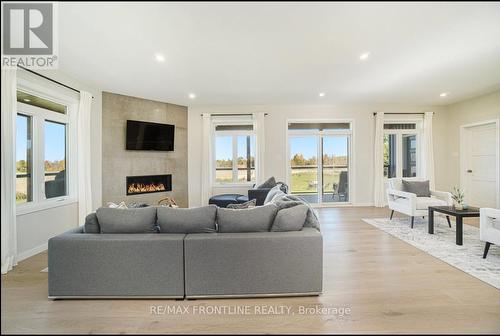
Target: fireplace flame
(142, 188)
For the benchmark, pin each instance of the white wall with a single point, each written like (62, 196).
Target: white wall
(482, 108)
(275, 129)
(35, 228)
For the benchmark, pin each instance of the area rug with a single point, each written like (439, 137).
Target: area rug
(441, 244)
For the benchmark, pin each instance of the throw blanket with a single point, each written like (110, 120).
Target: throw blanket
(288, 201)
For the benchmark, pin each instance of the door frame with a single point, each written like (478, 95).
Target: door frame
(463, 177)
(351, 176)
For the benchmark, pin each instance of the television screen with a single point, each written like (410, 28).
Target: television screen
(149, 136)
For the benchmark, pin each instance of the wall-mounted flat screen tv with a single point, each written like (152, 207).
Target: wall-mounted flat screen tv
(143, 135)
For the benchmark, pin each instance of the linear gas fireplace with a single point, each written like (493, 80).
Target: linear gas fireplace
(148, 184)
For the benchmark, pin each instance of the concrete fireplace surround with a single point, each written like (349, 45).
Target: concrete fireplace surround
(118, 163)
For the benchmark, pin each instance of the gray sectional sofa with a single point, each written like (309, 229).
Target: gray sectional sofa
(204, 262)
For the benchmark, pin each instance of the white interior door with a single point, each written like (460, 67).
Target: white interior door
(480, 161)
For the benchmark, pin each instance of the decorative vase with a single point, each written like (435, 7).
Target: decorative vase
(459, 206)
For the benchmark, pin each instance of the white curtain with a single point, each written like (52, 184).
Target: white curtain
(378, 161)
(84, 157)
(8, 212)
(261, 147)
(206, 159)
(428, 150)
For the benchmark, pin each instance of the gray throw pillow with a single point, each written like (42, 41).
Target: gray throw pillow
(272, 193)
(91, 224)
(269, 183)
(290, 219)
(288, 201)
(136, 220)
(246, 205)
(192, 220)
(420, 188)
(258, 219)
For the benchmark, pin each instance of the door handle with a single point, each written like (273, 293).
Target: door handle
(469, 170)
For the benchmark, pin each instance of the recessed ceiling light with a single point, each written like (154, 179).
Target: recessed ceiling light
(364, 56)
(321, 94)
(27, 100)
(192, 96)
(160, 58)
(444, 94)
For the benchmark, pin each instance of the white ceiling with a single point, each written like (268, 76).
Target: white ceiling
(284, 53)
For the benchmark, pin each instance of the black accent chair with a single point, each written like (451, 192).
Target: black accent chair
(342, 188)
(56, 187)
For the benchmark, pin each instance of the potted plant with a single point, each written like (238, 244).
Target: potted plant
(458, 197)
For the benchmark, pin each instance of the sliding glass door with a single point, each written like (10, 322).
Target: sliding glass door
(319, 162)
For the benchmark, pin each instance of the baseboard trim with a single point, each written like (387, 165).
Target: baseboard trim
(112, 297)
(31, 252)
(236, 296)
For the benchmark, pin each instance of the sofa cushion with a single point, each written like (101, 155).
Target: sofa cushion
(269, 183)
(258, 219)
(290, 219)
(91, 224)
(423, 203)
(419, 188)
(192, 220)
(136, 220)
(270, 195)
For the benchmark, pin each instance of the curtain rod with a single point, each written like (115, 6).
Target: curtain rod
(49, 79)
(420, 113)
(232, 114)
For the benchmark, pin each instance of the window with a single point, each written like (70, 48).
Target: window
(224, 159)
(42, 150)
(390, 155)
(401, 145)
(409, 147)
(234, 153)
(55, 159)
(245, 159)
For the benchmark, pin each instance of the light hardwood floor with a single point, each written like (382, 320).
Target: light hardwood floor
(390, 287)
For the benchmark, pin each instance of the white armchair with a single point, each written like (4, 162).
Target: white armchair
(411, 205)
(489, 228)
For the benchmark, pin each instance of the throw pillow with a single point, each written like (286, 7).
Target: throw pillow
(271, 194)
(91, 224)
(290, 219)
(288, 201)
(121, 205)
(420, 188)
(137, 220)
(269, 183)
(246, 205)
(258, 219)
(192, 220)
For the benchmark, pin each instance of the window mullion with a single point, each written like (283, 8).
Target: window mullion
(38, 162)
